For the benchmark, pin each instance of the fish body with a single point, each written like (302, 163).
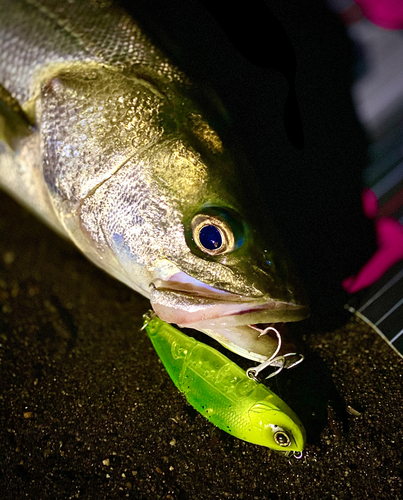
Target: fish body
(101, 138)
(221, 391)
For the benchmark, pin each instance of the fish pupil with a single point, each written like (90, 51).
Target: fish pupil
(281, 438)
(210, 237)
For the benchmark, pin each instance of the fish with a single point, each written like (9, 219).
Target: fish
(221, 391)
(102, 137)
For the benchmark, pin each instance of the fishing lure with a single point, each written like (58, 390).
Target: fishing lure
(223, 393)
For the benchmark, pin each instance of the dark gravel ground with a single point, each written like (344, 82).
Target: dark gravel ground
(87, 410)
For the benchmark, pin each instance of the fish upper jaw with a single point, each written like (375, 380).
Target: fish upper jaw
(187, 308)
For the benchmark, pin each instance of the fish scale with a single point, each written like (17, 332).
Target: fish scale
(101, 137)
(73, 31)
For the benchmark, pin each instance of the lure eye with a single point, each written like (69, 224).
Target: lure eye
(212, 234)
(282, 439)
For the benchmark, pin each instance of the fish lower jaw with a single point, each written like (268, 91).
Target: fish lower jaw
(258, 342)
(241, 333)
(229, 322)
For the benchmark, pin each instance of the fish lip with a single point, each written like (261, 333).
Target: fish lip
(251, 310)
(190, 290)
(221, 295)
(270, 313)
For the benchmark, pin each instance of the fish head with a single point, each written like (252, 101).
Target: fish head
(278, 429)
(223, 267)
(210, 258)
(146, 188)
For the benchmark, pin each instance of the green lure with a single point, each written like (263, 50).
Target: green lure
(222, 392)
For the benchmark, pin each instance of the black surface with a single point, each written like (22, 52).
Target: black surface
(313, 193)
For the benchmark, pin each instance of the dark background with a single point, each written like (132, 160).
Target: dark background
(283, 72)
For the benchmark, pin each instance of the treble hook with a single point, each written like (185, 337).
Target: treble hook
(274, 360)
(148, 317)
(254, 371)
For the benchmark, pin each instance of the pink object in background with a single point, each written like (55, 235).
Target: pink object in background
(389, 234)
(385, 13)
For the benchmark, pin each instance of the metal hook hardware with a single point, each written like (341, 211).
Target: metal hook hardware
(148, 317)
(274, 360)
(254, 371)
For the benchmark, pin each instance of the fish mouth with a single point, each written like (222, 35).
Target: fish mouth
(236, 321)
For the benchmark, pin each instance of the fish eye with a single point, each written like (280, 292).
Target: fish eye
(212, 234)
(282, 439)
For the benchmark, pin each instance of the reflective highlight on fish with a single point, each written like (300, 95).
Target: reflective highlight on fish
(222, 392)
(100, 137)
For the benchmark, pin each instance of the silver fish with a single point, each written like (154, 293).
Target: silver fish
(100, 138)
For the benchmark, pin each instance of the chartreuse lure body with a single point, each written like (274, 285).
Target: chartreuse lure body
(222, 392)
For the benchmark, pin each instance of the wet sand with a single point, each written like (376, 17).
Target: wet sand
(88, 411)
